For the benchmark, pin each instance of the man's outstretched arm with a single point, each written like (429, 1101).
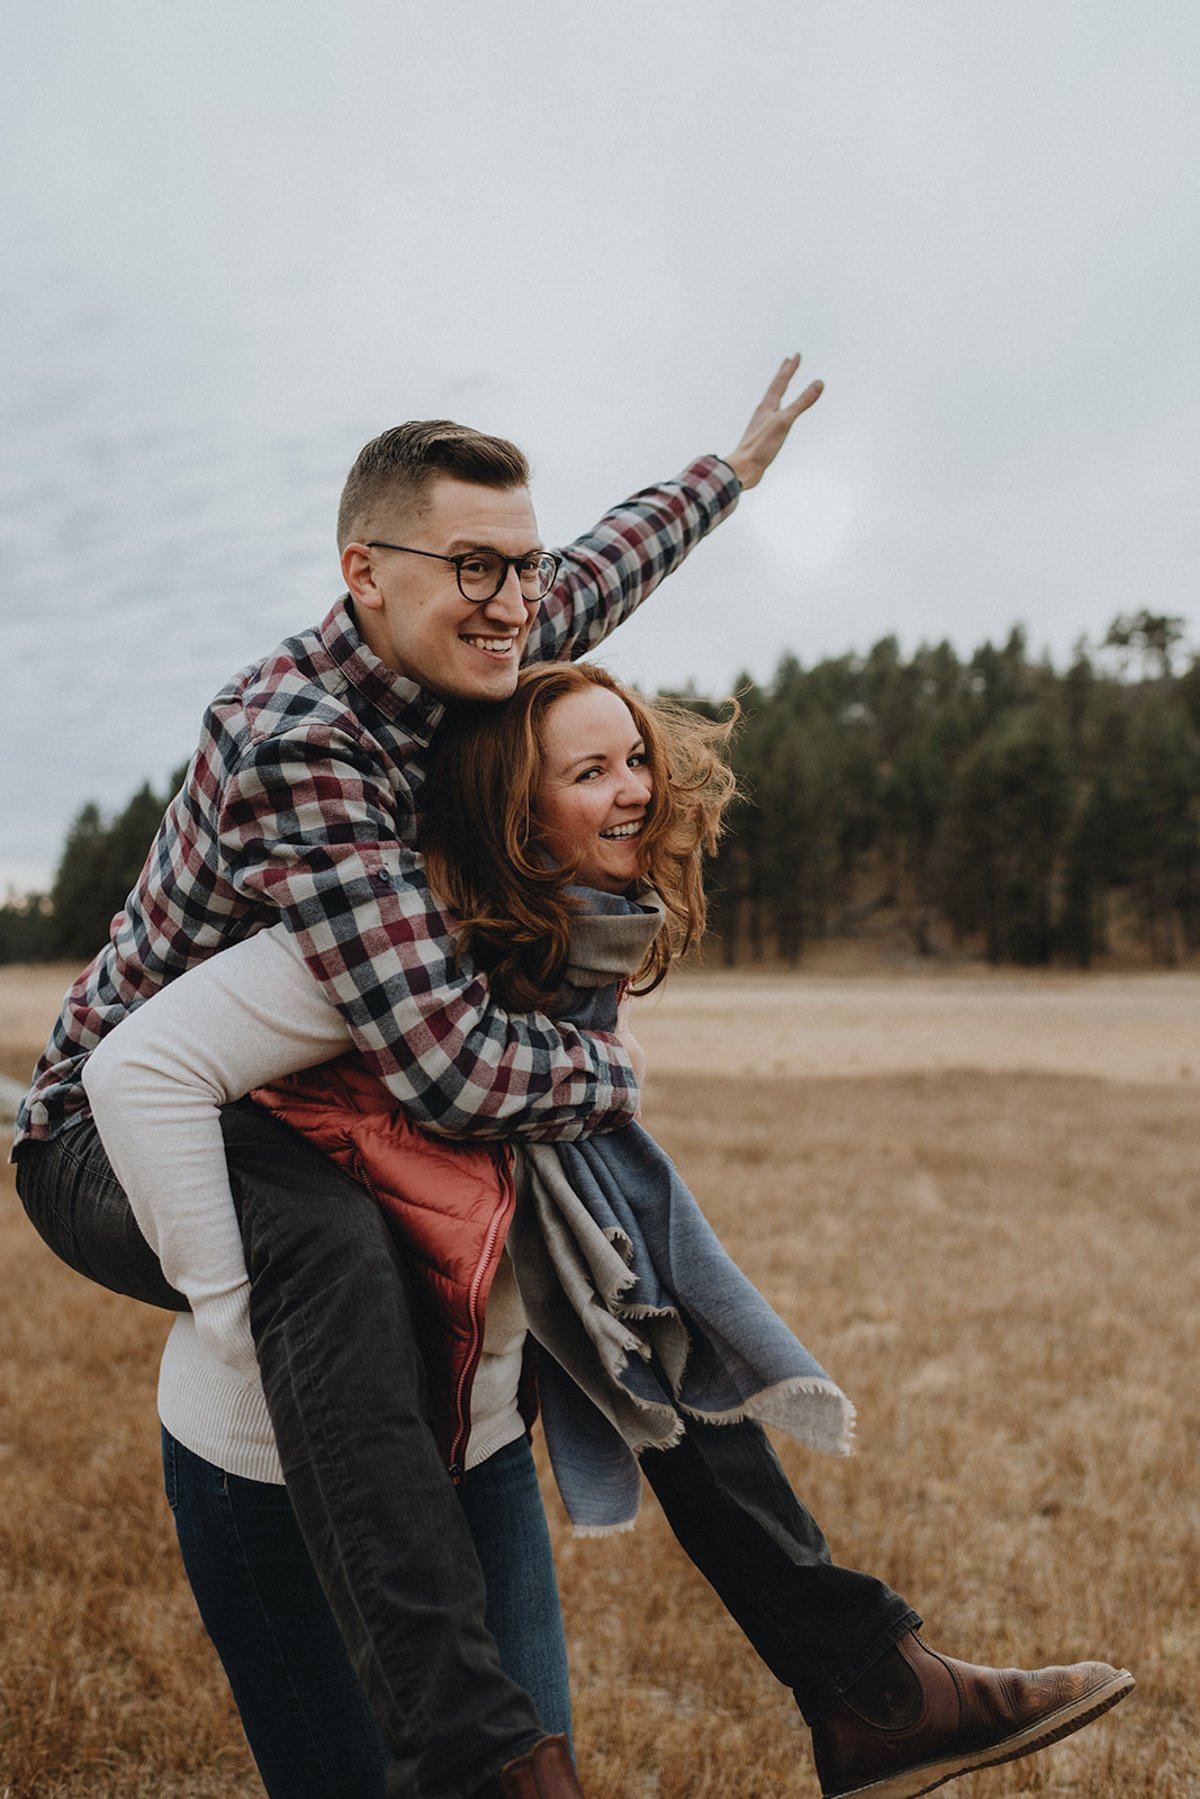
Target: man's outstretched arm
(310, 826)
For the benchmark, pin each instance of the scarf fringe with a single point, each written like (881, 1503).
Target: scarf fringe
(604, 1530)
(830, 1432)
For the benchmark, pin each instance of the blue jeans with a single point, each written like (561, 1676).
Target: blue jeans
(301, 1704)
(503, 1506)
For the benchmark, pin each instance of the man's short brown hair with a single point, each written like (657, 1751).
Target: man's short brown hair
(401, 463)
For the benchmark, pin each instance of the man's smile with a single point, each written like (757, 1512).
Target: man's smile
(491, 646)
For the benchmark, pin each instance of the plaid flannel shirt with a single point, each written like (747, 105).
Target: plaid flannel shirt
(302, 801)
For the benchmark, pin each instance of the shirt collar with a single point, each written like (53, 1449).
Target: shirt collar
(413, 708)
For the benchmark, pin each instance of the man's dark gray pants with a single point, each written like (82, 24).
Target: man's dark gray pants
(345, 1388)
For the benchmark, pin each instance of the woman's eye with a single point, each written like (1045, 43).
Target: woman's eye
(587, 774)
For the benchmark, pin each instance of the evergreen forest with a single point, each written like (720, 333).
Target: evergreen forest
(991, 805)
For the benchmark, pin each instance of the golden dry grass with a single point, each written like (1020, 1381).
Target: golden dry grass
(999, 1266)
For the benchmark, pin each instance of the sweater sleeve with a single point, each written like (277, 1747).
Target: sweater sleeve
(239, 1020)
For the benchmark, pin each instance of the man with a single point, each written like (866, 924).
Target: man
(302, 801)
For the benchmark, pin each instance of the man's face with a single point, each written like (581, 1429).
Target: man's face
(409, 608)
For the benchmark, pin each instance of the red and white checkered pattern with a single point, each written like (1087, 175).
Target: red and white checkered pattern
(302, 802)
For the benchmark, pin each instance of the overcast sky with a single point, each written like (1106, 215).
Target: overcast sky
(242, 237)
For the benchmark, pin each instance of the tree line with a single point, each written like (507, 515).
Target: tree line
(100, 861)
(990, 804)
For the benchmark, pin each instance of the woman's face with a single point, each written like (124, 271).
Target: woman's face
(590, 804)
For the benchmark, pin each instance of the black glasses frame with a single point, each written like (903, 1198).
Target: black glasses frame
(506, 562)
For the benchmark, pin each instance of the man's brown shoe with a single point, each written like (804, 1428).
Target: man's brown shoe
(544, 1772)
(954, 1718)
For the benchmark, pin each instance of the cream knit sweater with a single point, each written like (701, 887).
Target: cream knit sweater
(243, 1018)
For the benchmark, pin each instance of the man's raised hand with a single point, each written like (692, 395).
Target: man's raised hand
(764, 436)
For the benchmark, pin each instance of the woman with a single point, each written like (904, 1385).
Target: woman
(551, 816)
(574, 870)
(554, 789)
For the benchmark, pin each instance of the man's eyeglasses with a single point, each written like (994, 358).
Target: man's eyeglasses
(482, 573)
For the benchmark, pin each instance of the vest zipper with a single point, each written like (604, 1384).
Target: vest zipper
(476, 1305)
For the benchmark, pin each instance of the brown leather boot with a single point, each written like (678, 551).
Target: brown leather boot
(919, 1718)
(544, 1772)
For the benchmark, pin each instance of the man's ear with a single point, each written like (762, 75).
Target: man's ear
(359, 576)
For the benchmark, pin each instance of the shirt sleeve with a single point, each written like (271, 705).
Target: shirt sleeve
(310, 826)
(155, 1084)
(607, 574)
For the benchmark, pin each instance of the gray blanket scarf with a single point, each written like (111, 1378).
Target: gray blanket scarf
(645, 1319)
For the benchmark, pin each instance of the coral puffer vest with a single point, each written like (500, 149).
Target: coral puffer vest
(450, 1203)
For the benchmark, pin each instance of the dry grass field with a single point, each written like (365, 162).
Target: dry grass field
(977, 1201)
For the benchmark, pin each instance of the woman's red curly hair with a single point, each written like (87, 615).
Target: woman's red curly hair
(483, 851)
